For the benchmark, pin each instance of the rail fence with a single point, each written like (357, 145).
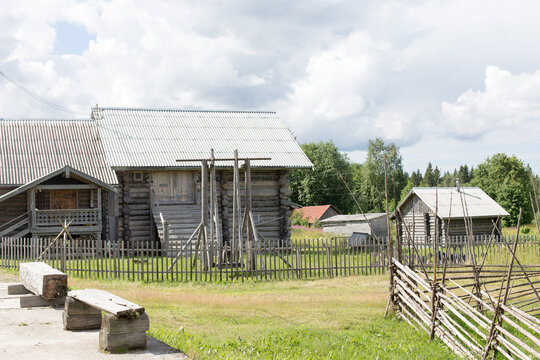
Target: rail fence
(297, 259)
(500, 316)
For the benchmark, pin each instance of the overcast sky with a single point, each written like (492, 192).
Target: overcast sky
(450, 82)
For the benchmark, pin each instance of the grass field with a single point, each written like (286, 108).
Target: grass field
(339, 318)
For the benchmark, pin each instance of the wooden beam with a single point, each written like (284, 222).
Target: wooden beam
(33, 206)
(108, 302)
(66, 187)
(100, 215)
(43, 280)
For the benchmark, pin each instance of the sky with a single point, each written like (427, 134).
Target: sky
(451, 82)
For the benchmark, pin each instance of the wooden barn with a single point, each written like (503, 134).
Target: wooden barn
(369, 224)
(314, 214)
(53, 170)
(415, 215)
(155, 190)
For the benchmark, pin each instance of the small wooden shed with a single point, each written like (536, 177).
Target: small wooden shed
(415, 215)
(313, 214)
(370, 224)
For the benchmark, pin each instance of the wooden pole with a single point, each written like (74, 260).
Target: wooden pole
(493, 332)
(204, 207)
(389, 239)
(234, 247)
(251, 265)
(64, 240)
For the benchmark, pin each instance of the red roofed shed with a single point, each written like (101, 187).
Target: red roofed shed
(317, 213)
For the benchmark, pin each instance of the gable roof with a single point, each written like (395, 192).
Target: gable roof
(30, 149)
(473, 200)
(146, 138)
(68, 171)
(314, 213)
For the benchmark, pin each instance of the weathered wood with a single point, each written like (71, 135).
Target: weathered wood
(108, 302)
(73, 306)
(28, 301)
(112, 342)
(17, 289)
(114, 325)
(81, 322)
(41, 279)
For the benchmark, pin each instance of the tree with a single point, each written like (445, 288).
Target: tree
(508, 181)
(322, 185)
(416, 178)
(464, 175)
(428, 179)
(373, 192)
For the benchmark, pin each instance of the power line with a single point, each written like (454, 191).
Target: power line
(36, 96)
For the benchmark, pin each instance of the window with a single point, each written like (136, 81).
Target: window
(138, 176)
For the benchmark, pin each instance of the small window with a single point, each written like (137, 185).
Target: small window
(138, 176)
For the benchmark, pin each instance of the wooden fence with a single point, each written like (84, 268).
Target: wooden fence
(475, 323)
(307, 258)
(147, 261)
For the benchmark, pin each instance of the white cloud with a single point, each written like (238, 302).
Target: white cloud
(343, 94)
(340, 70)
(507, 102)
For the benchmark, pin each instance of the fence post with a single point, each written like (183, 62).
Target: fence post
(166, 237)
(63, 260)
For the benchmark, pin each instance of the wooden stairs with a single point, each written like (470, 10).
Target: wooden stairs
(183, 219)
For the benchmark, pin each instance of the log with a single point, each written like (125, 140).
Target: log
(17, 289)
(118, 342)
(28, 301)
(75, 307)
(114, 325)
(43, 280)
(108, 302)
(81, 322)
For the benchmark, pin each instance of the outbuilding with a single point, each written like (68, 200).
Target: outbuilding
(371, 224)
(425, 211)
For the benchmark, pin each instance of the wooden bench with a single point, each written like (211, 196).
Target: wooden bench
(48, 284)
(122, 326)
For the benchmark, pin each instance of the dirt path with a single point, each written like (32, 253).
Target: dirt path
(38, 334)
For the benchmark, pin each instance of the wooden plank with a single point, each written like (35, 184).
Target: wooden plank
(108, 302)
(17, 289)
(43, 280)
(28, 301)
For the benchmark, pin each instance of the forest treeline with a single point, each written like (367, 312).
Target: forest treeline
(505, 178)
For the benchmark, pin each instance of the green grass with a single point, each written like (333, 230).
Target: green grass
(340, 318)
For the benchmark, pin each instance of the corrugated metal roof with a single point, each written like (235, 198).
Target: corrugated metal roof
(30, 149)
(471, 200)
(145, 138)
(352, 218)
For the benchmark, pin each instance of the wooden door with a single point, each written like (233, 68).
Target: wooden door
(63, 199)
(173, 186)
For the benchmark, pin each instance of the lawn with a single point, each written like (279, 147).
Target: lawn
(340, 318)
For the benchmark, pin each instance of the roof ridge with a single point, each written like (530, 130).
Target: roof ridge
(186, 110)
(46, 119)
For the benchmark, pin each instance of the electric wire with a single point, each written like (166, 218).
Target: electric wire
(37, 97)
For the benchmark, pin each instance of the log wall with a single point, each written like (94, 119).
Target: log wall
(270, 193)
(13, 207)
(420, 220)
(134, 211)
